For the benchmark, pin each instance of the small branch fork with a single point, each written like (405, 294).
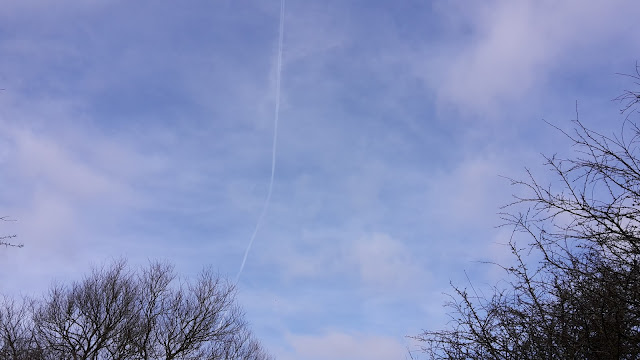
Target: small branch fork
(4, 240)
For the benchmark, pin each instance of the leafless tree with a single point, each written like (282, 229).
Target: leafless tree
(88, 319)
(16, 330)
(240, 345)
(187, 321)
(573, 291)
(115, 313)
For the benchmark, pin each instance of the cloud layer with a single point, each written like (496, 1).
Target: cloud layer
(143, 130)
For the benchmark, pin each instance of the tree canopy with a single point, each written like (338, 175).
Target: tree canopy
(573, 291)
(117, 313)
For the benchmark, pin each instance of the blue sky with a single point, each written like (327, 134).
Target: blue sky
(144, 130)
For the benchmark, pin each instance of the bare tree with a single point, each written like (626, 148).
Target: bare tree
(240, 345)
(187, 321)
(88, 319)
(16, 330)
(114, 313)
(573, 291)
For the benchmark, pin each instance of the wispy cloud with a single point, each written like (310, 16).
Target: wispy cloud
(144, 130)
(510, 50)
(336, 345)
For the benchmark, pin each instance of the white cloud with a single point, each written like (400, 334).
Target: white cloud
(471, 193)
(315, 29)
(342, 346)
(373, 262)
(514, 46)
(67, 187)
(45, 161)
(384, 263)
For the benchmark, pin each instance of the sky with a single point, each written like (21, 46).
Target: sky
(144, 130)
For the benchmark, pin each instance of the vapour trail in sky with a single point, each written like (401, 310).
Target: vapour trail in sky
(275, 141)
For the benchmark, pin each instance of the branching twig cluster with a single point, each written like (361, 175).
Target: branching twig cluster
(116, 314)
(4, 240)
(574, 289)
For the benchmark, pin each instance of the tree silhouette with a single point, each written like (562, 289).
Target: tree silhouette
(573, 291)
(116, 313)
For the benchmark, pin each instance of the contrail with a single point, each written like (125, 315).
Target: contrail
(275, 138)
